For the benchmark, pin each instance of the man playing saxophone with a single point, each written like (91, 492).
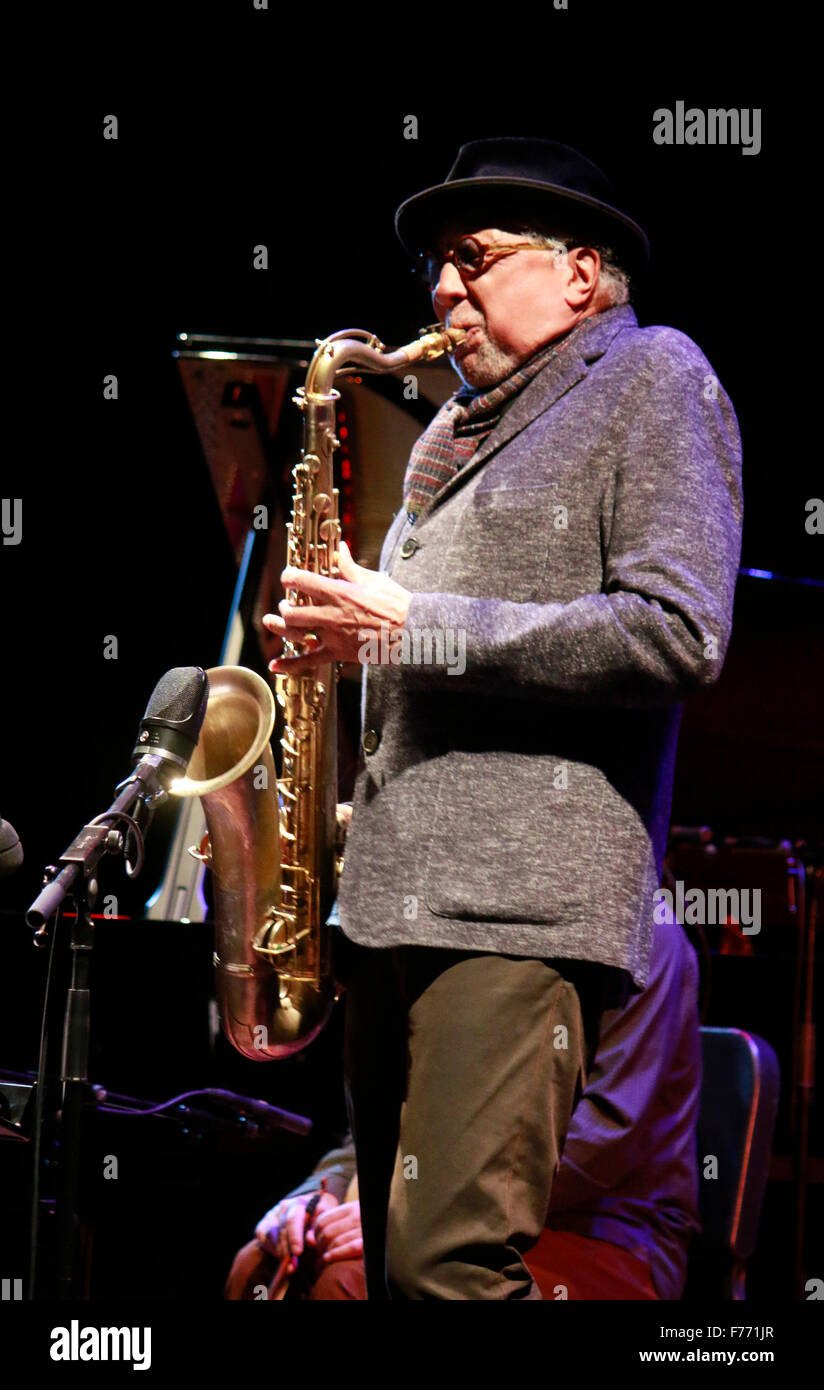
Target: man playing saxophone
(573, 516)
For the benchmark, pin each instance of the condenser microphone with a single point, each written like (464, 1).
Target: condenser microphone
(170, 728)
(11, 850)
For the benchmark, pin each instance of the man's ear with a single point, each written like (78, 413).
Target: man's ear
(584, 267)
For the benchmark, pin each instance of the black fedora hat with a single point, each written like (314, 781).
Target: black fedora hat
(521, 178)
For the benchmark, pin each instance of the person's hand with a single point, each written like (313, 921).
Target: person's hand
(336, 1234)
(282, 1230)
(356, 605)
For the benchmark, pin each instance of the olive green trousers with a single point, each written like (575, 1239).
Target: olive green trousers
(462, 1070)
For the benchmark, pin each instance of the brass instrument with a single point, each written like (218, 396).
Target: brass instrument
(273, 842)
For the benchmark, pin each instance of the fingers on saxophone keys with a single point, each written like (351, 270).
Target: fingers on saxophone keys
(306, 581)
(288, 614)
(308, 614)
(288, 631)
(298, 665)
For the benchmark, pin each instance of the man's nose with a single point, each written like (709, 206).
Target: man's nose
(449, 289)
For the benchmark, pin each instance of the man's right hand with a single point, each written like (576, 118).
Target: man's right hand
(282, 1230)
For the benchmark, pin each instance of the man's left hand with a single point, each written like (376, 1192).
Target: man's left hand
(346, 612)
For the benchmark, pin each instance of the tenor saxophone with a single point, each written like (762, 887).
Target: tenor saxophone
(274, 842)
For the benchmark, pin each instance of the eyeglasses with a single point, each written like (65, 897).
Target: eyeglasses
(471, 258)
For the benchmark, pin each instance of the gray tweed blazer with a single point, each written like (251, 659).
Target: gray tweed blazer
(581, 569)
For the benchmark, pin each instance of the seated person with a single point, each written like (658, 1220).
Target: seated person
(624, 1200)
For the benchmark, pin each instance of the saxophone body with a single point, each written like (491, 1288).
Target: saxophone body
(274, 846)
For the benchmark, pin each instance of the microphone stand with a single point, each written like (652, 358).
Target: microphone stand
(74, 876)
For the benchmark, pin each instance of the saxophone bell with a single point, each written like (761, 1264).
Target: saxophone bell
(266, 1012)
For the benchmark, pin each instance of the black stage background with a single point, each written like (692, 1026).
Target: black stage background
(238, 127)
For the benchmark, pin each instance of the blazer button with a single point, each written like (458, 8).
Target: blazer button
(409, 547)
(370, 740)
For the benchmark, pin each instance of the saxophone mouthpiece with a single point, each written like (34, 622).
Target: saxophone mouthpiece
(436, 339)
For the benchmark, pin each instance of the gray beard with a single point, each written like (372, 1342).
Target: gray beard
(491, 365)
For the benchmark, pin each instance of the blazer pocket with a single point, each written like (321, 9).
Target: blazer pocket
(510, 842)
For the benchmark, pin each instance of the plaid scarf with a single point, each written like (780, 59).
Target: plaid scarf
(462, 425)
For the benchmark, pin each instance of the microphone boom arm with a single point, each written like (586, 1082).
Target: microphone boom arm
(97, 838)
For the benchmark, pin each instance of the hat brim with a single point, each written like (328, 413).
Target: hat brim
(421, 218)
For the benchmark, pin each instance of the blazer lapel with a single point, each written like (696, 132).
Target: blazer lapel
(557, 377)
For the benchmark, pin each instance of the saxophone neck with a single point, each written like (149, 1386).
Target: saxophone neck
(353, 347)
